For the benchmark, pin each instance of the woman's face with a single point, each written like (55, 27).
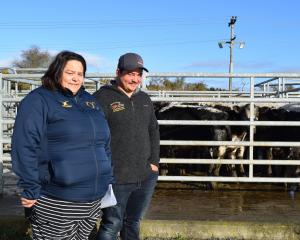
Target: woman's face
(72, 76)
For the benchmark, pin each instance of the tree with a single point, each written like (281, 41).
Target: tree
(33, 58)
(4, 71)
(179, 84)
(201, 86)
(155, 84)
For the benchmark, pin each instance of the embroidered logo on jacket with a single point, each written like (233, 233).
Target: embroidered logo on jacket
(65, 104)
(117, 106)
(91, 104)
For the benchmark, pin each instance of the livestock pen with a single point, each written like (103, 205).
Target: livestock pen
(272, 89)
(194, 214)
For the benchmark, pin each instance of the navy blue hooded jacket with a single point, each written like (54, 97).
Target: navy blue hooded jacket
(61, 146)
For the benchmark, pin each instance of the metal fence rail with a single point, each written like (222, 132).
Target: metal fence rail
(1, 143)
(250, 161)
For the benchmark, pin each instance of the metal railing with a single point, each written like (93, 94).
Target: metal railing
(1, 143)
(249, 161)
(270, 85)
(279, 94)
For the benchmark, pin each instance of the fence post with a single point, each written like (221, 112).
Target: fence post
(144, 83)
(1, 138)
(284, 88)
(251, 127)
(97, 85)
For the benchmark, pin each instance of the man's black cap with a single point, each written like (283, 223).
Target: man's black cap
(131, 61)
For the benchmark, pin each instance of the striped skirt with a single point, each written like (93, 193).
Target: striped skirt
(54, 219)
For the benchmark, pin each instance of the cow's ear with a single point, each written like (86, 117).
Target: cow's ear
(236, 108)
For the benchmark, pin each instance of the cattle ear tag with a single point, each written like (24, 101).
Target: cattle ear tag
(91, 104)
(65, 104)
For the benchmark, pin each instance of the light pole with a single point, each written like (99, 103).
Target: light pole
(231, 43)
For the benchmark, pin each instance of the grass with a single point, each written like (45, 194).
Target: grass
(17, 228)
(14, 228)
(183, 238)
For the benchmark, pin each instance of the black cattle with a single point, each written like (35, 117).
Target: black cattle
(270, 133)
(180, 111)
(279, 134)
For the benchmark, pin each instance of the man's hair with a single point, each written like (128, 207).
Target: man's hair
(52, 77)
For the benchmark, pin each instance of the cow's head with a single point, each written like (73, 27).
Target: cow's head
(245, 113)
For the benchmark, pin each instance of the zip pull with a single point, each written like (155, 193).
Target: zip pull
(132, 105)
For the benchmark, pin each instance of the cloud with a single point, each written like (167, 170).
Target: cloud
(93, 61)
(6, 62)
(96, 62)
(255, 65)
(52, 52)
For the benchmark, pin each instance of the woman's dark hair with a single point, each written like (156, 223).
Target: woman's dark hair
(51, 78)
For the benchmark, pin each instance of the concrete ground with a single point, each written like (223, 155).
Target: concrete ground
(241, 211)
(187, 211)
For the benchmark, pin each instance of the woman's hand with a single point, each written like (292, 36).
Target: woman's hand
(154, 167)
(27, 203)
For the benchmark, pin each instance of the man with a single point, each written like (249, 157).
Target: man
(135, 149)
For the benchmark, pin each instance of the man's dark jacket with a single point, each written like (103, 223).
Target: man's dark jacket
(134, 133)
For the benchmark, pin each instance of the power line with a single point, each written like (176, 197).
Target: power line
(115, 45)
(103, 23)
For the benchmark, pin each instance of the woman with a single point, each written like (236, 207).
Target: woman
(60, 151)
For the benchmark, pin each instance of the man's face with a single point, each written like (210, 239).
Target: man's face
(130, 80)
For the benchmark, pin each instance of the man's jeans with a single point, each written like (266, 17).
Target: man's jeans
(132, 202)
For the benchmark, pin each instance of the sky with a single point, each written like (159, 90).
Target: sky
(170, 35)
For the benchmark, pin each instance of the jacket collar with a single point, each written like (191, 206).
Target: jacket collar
(68, 93)
(114, 86)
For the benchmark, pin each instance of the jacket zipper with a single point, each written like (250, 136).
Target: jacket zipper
(94, 152)
(94, 138)
(132, 105)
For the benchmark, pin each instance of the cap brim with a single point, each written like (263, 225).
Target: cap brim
(145, 69)
(131, 68)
